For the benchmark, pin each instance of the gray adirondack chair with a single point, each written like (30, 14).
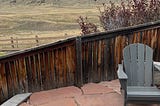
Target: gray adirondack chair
(136, 75)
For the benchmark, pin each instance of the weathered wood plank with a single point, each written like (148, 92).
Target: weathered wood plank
(55, 69)
(79, 73)
(109, 60)
(113, 67)
(106, 59)
(61, 73)
(68, 65)
(51, 75)
(154, 39)
(145, 37)
(33, 73)
(95, 64)
(15, 79)
(141, 66)
(9, 77)
(138, 36)
(72, 63)
(86, 71)
(85, 62)
(27, 66)
(16, 100)
(46, 71)
(42, 66)
(89, 62)
(148, 66)
(37, 72)
(118, 41)
(23, 74)
(53, 80)
(158, 46)
(64, 67)
(127, 60)
(54, 65)
(101, 71)
(3, 83)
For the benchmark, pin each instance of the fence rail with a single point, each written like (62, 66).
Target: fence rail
(15, 44)
(73, 61)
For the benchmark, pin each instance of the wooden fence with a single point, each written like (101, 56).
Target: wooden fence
(74, 61)
(15, 44)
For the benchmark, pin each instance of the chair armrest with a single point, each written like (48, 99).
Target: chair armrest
(122, 77)
(121, 74)
(156, 65)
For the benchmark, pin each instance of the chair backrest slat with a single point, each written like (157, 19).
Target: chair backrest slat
(126, 62)
(138, 64)
(149, 66)
(141, 66)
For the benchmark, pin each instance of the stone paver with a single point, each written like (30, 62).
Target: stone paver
(61, 102)
(114, 84)
(93, 88)
(110, 99)
(143, 105)
(106, 93)
(46, 96)
(25, 104)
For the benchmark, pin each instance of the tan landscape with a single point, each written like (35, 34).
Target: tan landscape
(42, 20)
(23, 21)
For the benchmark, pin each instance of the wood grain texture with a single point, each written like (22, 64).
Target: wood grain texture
(55, 65)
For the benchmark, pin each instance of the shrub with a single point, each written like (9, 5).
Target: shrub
(131, 12)
(86, 26)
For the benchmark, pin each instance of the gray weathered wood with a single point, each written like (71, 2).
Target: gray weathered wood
(122, 76)
(127, 58)
(138, 65)
(148, 66)
(79, 73)
(121, 73)
(156, 65)
(142, 93)
(140, 62)
(16, 100)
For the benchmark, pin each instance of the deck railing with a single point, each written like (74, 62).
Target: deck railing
(75, 61)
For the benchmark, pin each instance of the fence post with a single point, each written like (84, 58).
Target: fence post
(12, 42)
(79, 73)
(17, 42)
(37, 41)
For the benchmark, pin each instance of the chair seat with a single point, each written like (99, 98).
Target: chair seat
(143, 93)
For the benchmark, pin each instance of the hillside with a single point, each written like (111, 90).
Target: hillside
(54, 2)
(25, 19)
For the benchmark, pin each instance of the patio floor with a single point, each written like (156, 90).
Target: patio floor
(92, 94)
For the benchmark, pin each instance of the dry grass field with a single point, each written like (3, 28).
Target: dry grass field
(28, 21)
(45, 21)
(48, 20)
